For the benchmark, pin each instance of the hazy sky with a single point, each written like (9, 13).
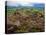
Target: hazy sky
(10, 3)
(17, 3)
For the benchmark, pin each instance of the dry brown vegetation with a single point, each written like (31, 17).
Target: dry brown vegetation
(21, 22)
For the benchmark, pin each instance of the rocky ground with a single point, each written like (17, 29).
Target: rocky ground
(25, 23)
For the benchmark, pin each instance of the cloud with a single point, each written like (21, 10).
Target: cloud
(10, 3)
